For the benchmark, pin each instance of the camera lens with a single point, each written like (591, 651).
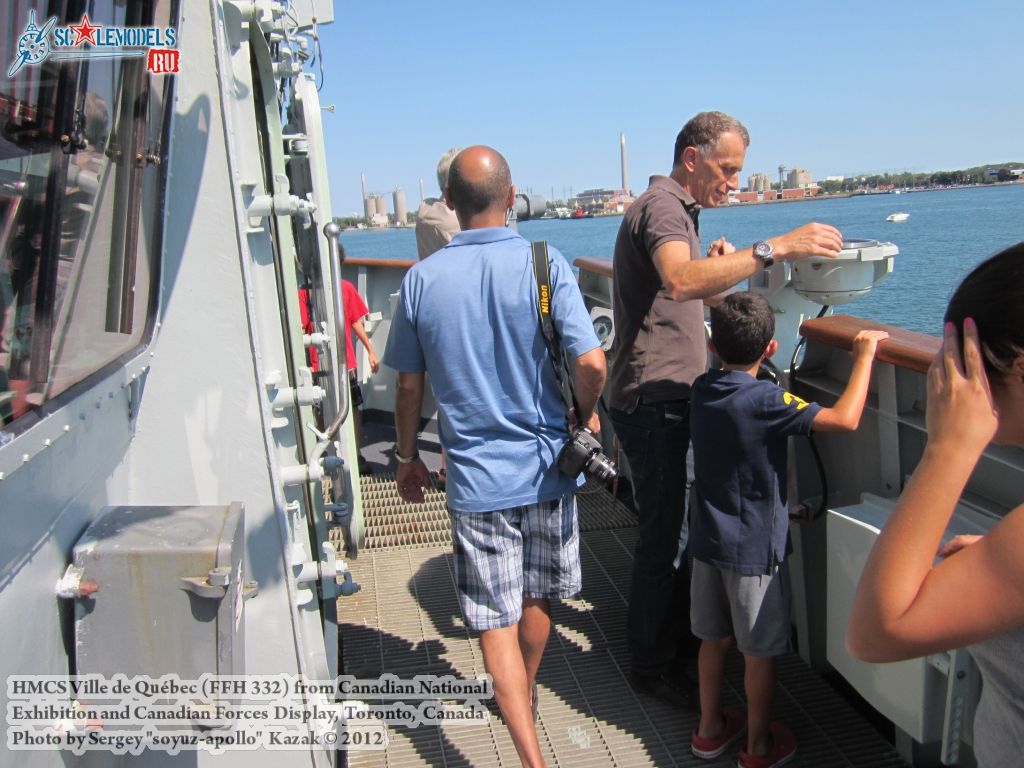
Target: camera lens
(601, 467)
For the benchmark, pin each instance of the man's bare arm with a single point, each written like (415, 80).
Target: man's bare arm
(411, 476)
(688, 278)
(408, 403)
(590, 372)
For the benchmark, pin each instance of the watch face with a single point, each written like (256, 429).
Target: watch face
(763, 249)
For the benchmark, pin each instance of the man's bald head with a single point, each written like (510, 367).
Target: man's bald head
(479, 181)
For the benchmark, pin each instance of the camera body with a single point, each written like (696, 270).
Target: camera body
(582, 453)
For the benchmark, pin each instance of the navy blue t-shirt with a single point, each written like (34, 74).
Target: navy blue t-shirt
(739, 427)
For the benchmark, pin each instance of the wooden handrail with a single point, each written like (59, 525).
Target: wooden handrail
(383, 263)
(903, 348)
(600, 266)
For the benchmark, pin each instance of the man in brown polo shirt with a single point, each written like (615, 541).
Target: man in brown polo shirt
(662, 280)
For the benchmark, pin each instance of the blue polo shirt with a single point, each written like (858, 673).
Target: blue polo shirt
(739, 428)
(468, 317)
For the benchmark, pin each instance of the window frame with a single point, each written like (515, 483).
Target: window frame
(71, 86)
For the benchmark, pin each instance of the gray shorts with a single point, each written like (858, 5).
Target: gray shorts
(503, 556)
(753, 609)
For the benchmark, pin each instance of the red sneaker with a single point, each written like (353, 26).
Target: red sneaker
(735, 726)
(783, 750)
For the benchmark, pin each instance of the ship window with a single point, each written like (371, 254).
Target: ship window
(80, 181)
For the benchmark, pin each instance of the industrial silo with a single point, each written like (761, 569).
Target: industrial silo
(398, 197)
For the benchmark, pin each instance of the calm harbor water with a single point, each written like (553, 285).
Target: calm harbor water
(947, 233)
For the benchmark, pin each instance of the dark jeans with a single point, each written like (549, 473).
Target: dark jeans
(655, 439)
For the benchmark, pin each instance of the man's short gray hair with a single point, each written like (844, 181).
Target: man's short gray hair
(443, 166)
(703, 132)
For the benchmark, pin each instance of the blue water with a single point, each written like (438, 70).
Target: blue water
(947, 233)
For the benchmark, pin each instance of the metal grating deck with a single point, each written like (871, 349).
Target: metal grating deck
(406, 621)
(391, 522)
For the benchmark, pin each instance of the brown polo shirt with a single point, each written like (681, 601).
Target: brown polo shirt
(660, 343)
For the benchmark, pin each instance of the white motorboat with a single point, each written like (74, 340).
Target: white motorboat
(901, 216)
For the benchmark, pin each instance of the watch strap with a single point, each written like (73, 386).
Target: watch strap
(406, 459)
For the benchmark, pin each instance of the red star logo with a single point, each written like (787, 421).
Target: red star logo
(85, 31)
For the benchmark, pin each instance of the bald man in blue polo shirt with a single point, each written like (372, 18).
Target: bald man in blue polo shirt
(468, 316)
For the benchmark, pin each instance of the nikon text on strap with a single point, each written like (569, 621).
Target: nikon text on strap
(542, 273)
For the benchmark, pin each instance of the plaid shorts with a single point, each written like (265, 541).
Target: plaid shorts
(504, 556)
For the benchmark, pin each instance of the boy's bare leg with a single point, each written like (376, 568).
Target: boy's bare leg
(759, 683)
(711, 673)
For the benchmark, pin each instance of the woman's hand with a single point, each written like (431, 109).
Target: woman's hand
(961, 416)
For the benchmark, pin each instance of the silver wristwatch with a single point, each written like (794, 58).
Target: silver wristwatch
(764, 251)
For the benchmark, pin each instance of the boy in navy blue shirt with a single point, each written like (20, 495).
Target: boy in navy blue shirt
(740, 529)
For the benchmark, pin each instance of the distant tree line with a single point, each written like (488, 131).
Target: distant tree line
(976, 175)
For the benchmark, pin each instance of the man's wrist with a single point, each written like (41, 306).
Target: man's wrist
(764, 252)
(406, 459)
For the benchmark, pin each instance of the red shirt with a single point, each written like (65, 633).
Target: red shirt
(355, 310)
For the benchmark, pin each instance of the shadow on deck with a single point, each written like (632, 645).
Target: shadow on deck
(406, 621)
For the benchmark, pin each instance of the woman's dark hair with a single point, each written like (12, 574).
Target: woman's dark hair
(993, 296)
(741, 326)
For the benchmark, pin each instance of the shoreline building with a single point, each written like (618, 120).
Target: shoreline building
(799, 178)
(603, 201)
(401, 214)
(368, 209)
(759, 182)
(625, 171)
(376, 209)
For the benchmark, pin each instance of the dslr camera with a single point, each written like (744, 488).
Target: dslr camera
(582, 453)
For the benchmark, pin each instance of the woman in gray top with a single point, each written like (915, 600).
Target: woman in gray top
(905, 607)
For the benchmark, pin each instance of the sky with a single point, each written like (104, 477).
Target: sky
(838, 88)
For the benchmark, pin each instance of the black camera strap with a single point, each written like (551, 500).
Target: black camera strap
(542, 273)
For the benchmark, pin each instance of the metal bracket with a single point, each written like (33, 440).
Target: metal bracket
(213, 587)
(338, 514)
(281, 398)
(956, 705)
(300, 474)
(281, 203)
(199, 586)
(319, 338)
(71, 586)
(326, 571)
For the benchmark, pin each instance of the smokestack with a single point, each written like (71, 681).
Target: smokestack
(422, 198)
(625, 174)
(362, 184)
